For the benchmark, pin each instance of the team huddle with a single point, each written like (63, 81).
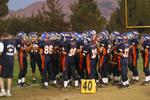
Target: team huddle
(71, 56)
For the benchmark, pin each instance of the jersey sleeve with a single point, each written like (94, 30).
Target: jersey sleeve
(104, 43)
(120, 48)
(18, 44)
(1, 46)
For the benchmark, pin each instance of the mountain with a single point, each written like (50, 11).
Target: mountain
(106, 7)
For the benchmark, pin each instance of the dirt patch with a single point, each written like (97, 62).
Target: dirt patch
(136, 92)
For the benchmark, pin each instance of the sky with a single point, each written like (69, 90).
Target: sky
(20, 4)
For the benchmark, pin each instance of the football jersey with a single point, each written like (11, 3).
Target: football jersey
(146, 45)
(35, 47)
(65, 46)
(8, 51)
(86, 50)
(1, 46)
(72, 48)
(109, 46)
(57, 45)
(93, 51)
(19, 45)
(9, 47)
(125, 49)
(104, 44)
(134, 49)
(48, 47)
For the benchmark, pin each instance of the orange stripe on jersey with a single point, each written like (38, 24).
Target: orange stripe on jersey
(88, 64)
(80, 60)
(101, 60)
(21, 54)
(41, 50)
(102, 57)
(119, 63)
(63, 62)
(146, 58)
(43, 61)
(21, 63)
(134, 56)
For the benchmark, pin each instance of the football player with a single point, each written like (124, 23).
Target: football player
(116, 66)
(48, 68)
(23, 46)
(103, 46)
(145, 54)
(7, 51)
(35, 55)
(123, 49)
(133, 56)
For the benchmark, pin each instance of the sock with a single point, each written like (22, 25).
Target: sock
(97, 81)
(127, 82)
(134, 78)
(103, 80)
(46, 83)
(19, 81)
(68, 81)
(65, 84)
(106, 80)
(23, 80)
(147, 78)
(55, 82)
(76, 83)
(8, 91)
(124, 83)
(137, 78)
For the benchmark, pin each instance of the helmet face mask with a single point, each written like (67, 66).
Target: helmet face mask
(32, 36)
(25, 38)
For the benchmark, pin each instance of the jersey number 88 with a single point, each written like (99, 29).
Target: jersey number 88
(48, 49)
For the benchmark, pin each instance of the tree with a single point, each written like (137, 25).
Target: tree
(117, 20)
(86, 16)
(53, 18)
(3, 8)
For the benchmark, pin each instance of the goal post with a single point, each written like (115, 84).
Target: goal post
(127, 19)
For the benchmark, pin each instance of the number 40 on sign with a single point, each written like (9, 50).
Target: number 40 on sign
(88, 86)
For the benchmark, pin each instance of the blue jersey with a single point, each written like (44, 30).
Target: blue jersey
(124, 48)
(19, 45)
(8, 52)
(104, 44)
(35, 47)
(86, 49)
(93, 51)
(48, 47)
(146, 45)
(72, 48)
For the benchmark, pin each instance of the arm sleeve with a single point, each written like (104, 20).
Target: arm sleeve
(1, 47)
